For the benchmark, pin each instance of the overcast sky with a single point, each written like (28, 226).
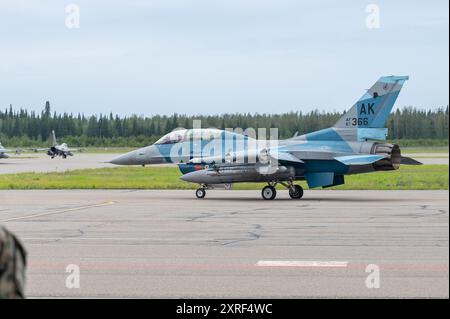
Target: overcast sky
(197, 57)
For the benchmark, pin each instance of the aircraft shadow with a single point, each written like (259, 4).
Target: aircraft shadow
(328, 199)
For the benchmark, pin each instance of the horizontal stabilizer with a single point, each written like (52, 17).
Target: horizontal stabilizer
(409, 161)
(359, 159)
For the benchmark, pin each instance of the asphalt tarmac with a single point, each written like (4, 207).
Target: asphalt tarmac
(167, 243)
(42, 163)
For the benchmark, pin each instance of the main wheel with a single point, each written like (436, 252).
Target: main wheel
(200, 193)
(296, 193)
(269, 193)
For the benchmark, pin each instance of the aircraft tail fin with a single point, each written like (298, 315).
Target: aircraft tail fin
(373, 108)
(54, 138)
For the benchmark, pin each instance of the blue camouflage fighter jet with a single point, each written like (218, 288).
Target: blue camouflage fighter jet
(218, 158)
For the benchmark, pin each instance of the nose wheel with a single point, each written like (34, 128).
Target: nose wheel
(269, 192)
(200, 193)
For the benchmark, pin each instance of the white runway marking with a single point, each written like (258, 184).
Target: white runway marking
(57, 212)
(302, 263)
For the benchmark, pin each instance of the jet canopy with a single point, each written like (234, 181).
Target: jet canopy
(172, 137)
(190, 135)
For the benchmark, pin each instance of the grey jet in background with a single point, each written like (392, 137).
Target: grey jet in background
(56, 149)
(4, 151)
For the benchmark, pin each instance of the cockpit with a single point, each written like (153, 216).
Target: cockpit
(172, 137)
(190, 135)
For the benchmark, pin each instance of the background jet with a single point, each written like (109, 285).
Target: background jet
(56, 149)
(4, 151)
(355, 144)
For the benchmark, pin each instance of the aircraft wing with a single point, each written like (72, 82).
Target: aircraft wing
(355, 159)
(80, 150)
(17, 151)
(359, 159)
(364, 159)
(263, 154)
(38, 149)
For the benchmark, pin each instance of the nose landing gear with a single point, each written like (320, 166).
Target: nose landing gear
(200, 193)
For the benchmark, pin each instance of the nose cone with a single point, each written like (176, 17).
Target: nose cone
(142, 156)
(125, 159)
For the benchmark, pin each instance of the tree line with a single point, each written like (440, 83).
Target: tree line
(28, 128)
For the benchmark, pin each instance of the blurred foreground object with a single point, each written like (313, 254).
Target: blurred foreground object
(12, 266)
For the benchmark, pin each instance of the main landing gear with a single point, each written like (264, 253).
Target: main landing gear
(269, 192)
(296, 192)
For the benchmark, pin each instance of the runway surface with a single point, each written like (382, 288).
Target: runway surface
(42, 163)
(232, 243)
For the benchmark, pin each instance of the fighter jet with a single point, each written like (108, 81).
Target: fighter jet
(4, 151)
(217, 158)
(56, 149)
